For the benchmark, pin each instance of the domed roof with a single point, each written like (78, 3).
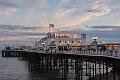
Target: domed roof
(52, 44)
(44, 39)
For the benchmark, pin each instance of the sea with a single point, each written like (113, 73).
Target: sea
(16, 69)
(13, 69)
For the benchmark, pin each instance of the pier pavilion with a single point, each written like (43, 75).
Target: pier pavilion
(62, 40)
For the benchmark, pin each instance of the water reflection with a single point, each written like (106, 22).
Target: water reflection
(13, 69)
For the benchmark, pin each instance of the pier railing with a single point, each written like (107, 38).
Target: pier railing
(106, 53)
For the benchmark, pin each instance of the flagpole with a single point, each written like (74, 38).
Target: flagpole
(49, 29)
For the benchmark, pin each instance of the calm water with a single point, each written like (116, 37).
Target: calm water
(13, 69)
(16, 69)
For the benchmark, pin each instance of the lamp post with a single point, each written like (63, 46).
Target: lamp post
(95, 39)
(43, 44)
(95, 42)
(83, 35)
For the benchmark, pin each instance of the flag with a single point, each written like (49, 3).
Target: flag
(51, 25)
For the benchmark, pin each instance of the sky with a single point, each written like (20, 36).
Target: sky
(29, 19)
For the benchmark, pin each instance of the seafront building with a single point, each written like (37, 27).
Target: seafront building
(67, 41)
(61, 41)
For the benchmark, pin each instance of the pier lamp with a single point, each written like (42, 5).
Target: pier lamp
(43, 44)
(94, 39)
(95, 42)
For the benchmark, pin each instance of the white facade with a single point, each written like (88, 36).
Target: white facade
(61, 39)
(67, 41)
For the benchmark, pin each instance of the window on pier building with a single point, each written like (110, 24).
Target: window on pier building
(59, 41)
(65, 41)
(72, 41)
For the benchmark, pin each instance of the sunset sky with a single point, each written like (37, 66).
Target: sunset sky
(29, 19)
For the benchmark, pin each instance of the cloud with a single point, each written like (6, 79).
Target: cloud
(7, 7)
(15, 27)
(105, 28)
(17, 32)
(7, 11)
(20, 29)
(8, 3)
(35, 6)
(4, 38)
(31, 6)
(95, 9)
(63, 13)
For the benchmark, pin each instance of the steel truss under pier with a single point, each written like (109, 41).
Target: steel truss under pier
(78, 67)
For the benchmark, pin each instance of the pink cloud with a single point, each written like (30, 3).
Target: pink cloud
(63, 13)
(3, 38)
(98, 8)
(7, 11)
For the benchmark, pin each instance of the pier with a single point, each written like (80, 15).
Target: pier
(86, 65)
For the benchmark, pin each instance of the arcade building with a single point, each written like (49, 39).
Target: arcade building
(61, 41)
